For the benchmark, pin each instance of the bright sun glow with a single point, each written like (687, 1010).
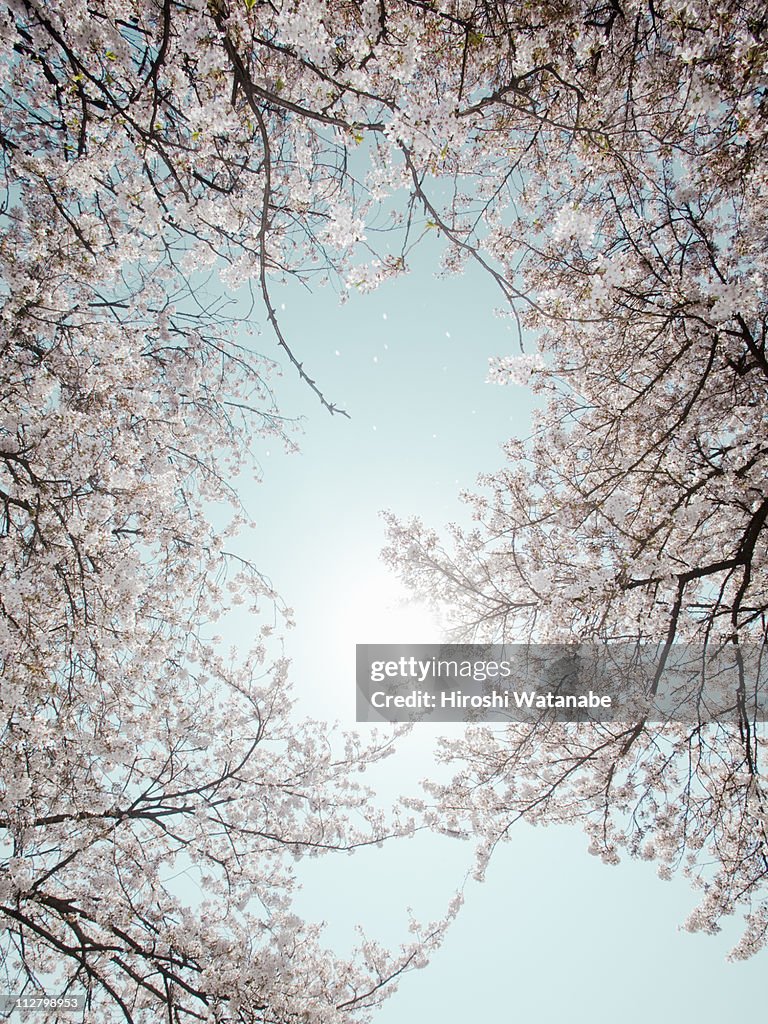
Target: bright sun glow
(378, 610)
(363, 605)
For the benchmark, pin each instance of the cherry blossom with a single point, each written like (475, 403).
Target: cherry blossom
(604, 164)
(628, 143)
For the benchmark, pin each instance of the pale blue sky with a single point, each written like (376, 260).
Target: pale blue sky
(553, 935)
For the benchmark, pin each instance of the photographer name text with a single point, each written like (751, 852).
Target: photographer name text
(505, 699)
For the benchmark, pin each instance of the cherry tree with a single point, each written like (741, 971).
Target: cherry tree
(156, 789)
(604, 164)
(625, 224)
